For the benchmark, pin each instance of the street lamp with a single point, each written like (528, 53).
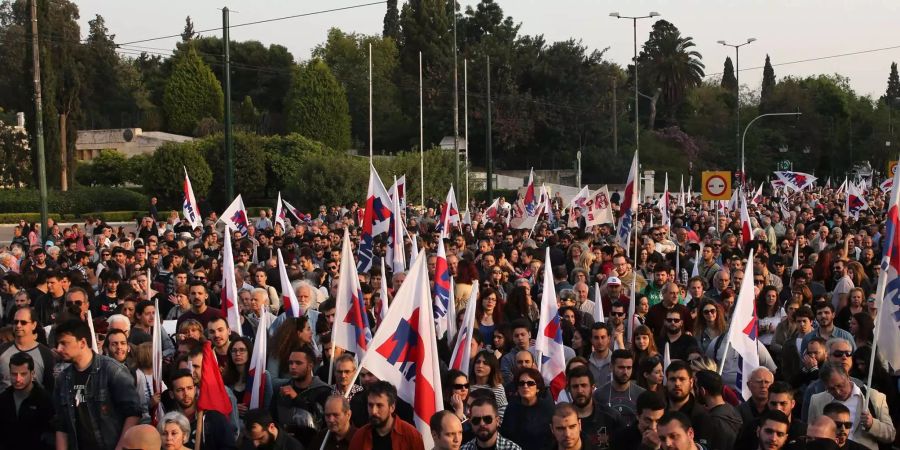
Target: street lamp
(634, 19)
(744, 138)
(737, 93)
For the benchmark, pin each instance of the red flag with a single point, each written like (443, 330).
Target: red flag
(213, 396)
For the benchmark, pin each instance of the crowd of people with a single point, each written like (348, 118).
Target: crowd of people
(92, 284)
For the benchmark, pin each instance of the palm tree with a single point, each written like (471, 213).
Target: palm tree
(669, 64)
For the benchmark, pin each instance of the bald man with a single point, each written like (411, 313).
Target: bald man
(144, 437)
(823, 428)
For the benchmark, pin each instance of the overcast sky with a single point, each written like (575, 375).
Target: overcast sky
(788, 30)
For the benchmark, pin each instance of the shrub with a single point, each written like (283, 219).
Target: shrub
(77, 201)
(164, 173)
(249, 166)
(191, 93)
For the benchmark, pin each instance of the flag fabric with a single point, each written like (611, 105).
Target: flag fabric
(855, 201)
(400, 188)
(695, 272)
(734, 202)
(667, 359)
(294, 211)
(235, 217)
(549, 343)
(229, 293)
(743, 331)
(757, 196)
(579, 201)
(492, 212)
(289, 301)
(886, 186)
(449, 214)
(189, 206)
(631, 310)
(746, 226)
(395, 253)
(157, 354)
(545, 204)
(887, 322)
(404, 350)
(598, 305)
(530, 200)
(796, 181)
(380, 309)
(280, 214)
(629, 204)
(466, 217)
(414, 247)
(681, 200)
(664, 204)
(599, 209)
(213, 396)
(441, 291)
(462, 349)
(351, 324)
(842, 187)
(451, 316)
(255, 396)
(376, 219)
(90, 321)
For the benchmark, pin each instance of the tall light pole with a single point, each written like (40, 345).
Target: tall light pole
(737, 96)
(744, 138)
(634, 19)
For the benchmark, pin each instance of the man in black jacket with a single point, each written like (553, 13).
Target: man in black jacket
(262, 432)
(26, 409)
(642, 435)
(299, 404)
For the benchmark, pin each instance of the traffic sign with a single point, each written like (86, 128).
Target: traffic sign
(716, 185)
(891, 168)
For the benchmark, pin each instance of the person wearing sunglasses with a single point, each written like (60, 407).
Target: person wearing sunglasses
(25, 337)
(870, 424)
(486, 424)
(840, 414)
(529, 411)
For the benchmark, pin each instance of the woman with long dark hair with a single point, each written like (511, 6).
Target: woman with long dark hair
(769, 313)
(856, 300)
(528, 414)
(711, 323)
(486, 375)
(237, 374)
(293, 333)
(862, 327)
(650, 375)
(643, 344)
(519, 305)
(488, 313)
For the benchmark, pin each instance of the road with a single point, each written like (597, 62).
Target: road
(7, 230)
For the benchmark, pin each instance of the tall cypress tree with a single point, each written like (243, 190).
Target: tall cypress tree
(768, 84)
(392, 21)
(729, 82)
(893, 86)
(316, 106)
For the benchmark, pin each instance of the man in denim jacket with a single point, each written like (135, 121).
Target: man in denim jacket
(95, 397)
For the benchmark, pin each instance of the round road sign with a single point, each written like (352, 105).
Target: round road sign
(716, 185)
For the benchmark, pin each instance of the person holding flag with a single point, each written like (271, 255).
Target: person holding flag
(549, 344)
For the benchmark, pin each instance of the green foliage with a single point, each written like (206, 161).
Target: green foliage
(668, 62)
(247, 116)
(893, 85)
(249, 166)
(729, 81)
(192, 93)
(316, 106)
(135, 168)
(109, 168)
(391, 21)
(164, 171)
(15, 165)
(437, 176)
(768, 85)
(79, 200)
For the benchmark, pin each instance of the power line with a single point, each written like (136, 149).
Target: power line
(818, 58)
(275, 19)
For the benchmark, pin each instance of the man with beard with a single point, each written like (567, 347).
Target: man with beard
(621, 393)
(722, 423)
(299, 404)
(773, 430)
(840, 414)
(340, 430)
(26, 408)
(486, 423)
(217, 432)
(680, 344)
(566, 428)
(219, 334)
(658, 314)
(200, 311)
(679, 388)
(385, 431)
(264, 434)
(599, 422)
(642, 434)
(676, 432)
(446, 430)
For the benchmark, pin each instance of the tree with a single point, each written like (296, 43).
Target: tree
(316, 106)
(188, 32)
(391, 21)
(893, 85)
(15, 165)
(768, 86)
(729, 81)
(192, 93)
(249, 167)
(671, 65)
(165, 171)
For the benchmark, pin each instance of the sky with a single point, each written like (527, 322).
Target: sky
(787, 30)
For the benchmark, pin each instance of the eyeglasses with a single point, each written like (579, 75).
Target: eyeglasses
(529, 383)
(758, 281)
(841, 354)
(670, 320)
(844, 425)
(74, 303)
(201, 278)
(709, 311)
(477, 420)
(21, 322)
(460, 387)
(617, 314)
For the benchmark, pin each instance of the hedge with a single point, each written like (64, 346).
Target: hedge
(75, 202)
(109, 216)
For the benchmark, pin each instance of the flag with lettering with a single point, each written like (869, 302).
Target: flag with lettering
(629, 204)
(887, 323)
(796, 181)
(189, 207)
(376, 219)
(235, 217)
(442, 291)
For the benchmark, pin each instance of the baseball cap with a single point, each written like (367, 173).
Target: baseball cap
(615, 281)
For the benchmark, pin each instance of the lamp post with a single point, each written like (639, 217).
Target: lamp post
(634, 19)
(737, 94)
(744, 138)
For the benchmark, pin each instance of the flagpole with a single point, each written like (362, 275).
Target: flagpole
(199, 441)
(370, 103)
(466, 122)
(421, 136)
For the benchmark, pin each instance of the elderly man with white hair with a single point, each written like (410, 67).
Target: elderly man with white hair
(307, 296)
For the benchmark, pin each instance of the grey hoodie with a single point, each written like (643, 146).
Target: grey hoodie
(719, 428)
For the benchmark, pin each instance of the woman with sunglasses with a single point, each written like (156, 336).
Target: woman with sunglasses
(486, 375)
(711, 324)
(456, 391)
(528, 414)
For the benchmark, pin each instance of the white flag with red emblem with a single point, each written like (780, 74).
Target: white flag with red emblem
(280, 214)
(462, 350)
(255, 397)
(289, 302)
(743, 331)
(549, 343)
(229, 287)
(746, 226)
(351, 324)
(404, 350)
(235, 217)
(189, 206)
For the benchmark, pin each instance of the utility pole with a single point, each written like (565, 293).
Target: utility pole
(615, 120)
(229, 139)
(489, 162)
(455, 106)
(39, 119)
